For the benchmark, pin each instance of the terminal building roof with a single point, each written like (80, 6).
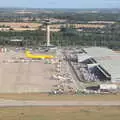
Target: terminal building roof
(108, 59)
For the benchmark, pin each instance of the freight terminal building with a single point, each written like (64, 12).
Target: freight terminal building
(102, 63)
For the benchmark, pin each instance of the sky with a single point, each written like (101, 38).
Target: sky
(61, 3)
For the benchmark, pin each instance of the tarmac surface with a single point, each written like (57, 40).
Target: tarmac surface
(22, 77)
(19, 75)
(16, 103)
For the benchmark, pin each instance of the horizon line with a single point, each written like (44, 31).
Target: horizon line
(16, 7)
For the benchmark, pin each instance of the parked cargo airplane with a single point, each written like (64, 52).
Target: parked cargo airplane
(30, 55)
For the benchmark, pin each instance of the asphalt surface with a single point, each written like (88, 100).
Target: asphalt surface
(16, 103)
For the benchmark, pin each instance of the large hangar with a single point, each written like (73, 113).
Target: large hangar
(102, 62)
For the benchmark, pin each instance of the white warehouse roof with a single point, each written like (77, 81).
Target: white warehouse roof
(108, 59)
(82, 57)
(16, 40)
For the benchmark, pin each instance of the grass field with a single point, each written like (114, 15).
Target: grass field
(60, 97)
(60, 113)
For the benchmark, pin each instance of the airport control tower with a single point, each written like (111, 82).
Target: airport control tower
(48, 32)
(48, 35)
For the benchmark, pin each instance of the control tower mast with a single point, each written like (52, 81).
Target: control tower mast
(47, 23)
(48, 34)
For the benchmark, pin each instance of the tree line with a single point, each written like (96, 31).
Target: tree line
(109, 36)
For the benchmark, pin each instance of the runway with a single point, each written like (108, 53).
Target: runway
(16, 103)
